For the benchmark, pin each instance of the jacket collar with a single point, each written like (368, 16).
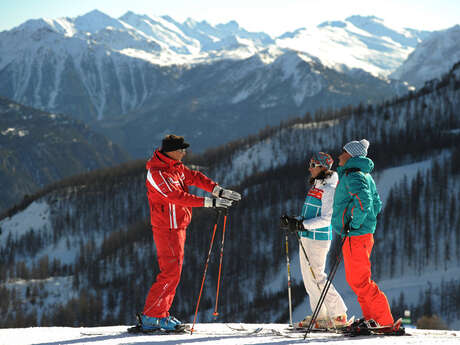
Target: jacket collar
(160, 160)
(365, 164)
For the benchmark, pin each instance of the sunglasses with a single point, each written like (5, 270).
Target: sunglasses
(314, 165)
(182, 150)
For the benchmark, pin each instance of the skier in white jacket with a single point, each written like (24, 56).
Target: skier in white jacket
(316, 239)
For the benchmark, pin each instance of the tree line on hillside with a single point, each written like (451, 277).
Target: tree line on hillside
(422, 220)
(95, 177)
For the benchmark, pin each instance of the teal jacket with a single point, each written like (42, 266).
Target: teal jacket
(356, 199)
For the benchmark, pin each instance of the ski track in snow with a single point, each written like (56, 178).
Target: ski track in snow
(217, 333)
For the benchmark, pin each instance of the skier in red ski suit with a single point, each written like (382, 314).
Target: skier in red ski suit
(171, 212)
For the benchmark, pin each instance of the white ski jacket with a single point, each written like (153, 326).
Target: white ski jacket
(317, 209)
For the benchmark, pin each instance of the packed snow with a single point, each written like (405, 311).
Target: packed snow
(212, 333)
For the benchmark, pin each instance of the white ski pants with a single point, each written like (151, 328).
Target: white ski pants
(317, 253)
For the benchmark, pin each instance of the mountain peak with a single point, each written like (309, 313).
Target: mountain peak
(131, 14)
(292, 34)
(95, 14)
(192, 23)
(231, 25)
(96, 20)
(362, 20)
(334, 24)
(34, 24)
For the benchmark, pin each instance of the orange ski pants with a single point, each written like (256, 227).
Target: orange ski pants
(170, 254)
(356, 255)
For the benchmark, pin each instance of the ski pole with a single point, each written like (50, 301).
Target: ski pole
(220, 263)
(289, 281)
(205, 270)
(326, 288)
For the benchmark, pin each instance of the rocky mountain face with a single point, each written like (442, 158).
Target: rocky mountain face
(82, 253)
(38, 148)
(137, 78)
(230, 98)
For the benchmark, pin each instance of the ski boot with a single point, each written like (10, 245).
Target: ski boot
(147, 324)
(358, 327)
(372, 327)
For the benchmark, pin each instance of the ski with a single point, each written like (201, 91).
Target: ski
(354, 329)
(138, 330)
(245, 331)
(300, 329)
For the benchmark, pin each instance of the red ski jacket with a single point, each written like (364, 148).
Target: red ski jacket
(167, 190)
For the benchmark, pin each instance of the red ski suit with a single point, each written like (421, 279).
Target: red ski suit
(170, 213)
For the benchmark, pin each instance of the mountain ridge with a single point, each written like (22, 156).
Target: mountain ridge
(122, 75)
(432, 58)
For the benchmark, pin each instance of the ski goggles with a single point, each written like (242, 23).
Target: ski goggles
(314, 165)
(321, 159)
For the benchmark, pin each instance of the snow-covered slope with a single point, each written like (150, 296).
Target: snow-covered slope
(158, 40)
(433, 57)
(358, 42)
(215, 333)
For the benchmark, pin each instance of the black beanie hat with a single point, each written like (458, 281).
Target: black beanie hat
(173, 142)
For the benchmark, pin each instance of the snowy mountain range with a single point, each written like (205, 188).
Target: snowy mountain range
(357, 42)
(133, 77)
(82, 253)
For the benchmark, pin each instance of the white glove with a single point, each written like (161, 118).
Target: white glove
(226, 193)
(217, 202)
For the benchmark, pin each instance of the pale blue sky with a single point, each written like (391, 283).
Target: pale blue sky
(273, 17)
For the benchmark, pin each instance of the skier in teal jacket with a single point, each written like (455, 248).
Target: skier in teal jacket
(356, 201)
(356, 206)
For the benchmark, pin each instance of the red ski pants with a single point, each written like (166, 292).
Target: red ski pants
(356, 254)
(170, 254)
